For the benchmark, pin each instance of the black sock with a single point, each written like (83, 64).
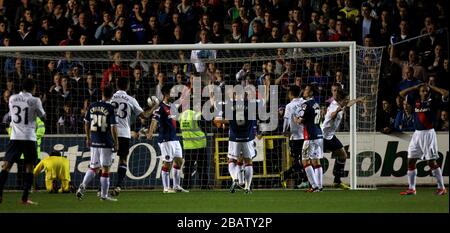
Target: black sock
(338, 170)
(301, 172)
(3, 178)
(27, 186)
(121, 172)
(288, 173)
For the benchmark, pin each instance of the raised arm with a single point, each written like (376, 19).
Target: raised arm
(441, 91)
(354, 101)
(410, 89)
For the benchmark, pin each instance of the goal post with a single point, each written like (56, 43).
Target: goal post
(290, 64)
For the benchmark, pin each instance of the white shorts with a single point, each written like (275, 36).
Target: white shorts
(170, 150)
(423, 145)
(312, 149)
(101, 157)
(246, 148)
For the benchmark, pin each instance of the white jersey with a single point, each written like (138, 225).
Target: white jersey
(198, 55)
(125, 106)
(330, 125)
(290, 111)
(23, 109)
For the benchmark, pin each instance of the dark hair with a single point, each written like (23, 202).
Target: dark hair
(295, 90)
(313, 87)
(166, 89)
(123, 83)
(107, 92)
(28, 85)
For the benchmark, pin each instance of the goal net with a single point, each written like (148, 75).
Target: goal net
(70, 78)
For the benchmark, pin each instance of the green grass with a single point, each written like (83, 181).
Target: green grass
(260, 201)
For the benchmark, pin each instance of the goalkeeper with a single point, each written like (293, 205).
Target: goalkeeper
(56, 168)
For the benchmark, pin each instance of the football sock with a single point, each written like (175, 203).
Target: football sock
(412, 179)
(248, 176)
(232, 170)
(3, 178)
(90, 174)
(318, 172)
(27, 186)
(240, 173)
(121, 172)
(165, 178)
(437, 172)
(338, 170)
(104, 181)
(311, 177)
(176, 176)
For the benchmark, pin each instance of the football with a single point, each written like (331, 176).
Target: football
(153, 100)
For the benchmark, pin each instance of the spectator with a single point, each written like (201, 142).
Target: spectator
(443, 121)
(71, 38)
(105, 31)
(65, 64)
(139, 88)
(385, 118)
(117, 69)
(367, 25)
(198, 55)
(23, 36)
(90, 92)
(236, 35)
(67, 121)
(408, 79)
(404, 121)
(138, 34)
(59, 22)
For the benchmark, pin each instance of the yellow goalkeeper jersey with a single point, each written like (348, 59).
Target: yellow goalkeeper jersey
(56, 167)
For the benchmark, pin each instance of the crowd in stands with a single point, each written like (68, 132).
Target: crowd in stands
(414, 33)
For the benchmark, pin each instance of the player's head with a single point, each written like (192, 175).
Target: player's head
(165, 90)
(123, 83)
(309, 91)
(28, 85)
(337, 92)
(107, 92)
(424, 92)
(294, 92)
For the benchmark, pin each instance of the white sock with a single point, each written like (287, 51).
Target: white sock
(90, 174)
(412, 179)
(232, 170)
(165, 177)
(318, 172)
(311, 176)
(240, 174)
(104, 181)
(176, 177)
(438, 174)
(248, 176)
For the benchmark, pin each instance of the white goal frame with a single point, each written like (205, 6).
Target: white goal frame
(351, 45)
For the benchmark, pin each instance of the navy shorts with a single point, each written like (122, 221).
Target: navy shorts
(296, 148)
(332, 145)
(16, 148)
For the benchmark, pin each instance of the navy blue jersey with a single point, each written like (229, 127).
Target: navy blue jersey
(167, 130)
(310, 113)
(424, 112)
(241, 128)
(101, 118)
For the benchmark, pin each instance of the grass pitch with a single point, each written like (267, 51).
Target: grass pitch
(260, 201)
